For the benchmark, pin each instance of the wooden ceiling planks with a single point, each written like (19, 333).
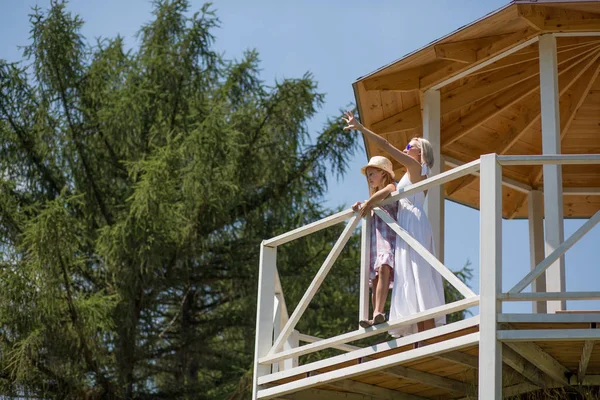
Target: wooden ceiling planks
(496, 109)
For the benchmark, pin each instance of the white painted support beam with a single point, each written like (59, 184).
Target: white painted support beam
(310, 228)
(550, 159)
(507, 182)
(556, 254)
(586, 353)
(553, 201)
(566, 335)
(490, 361)
(291, 343)
(315, 284)
(550, 318)
(550, 296)
(536, 244)
(430, 183)
(542, 360)
(264, 313)
(365, 262)
(434, 202)
(371, 366)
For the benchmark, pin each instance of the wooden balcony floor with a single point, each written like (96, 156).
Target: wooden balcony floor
(453, 373)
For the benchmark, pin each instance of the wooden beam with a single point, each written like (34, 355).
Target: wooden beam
(464, 51)
(372, 390)
(553, 19)
(491, 108)
(542, 360)
(564, 84)
(477, 88)
(572, 104)
(429, 379)
(404, 120)
(523, 367)
(485, 56)
(457, 357)
(318, 394)
(586, 353)
(427, 76)
(534, 16)
(403, 81)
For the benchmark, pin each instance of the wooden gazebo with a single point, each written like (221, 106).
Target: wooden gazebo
(511, 104)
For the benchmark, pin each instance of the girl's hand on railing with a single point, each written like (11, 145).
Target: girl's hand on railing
(363, 209)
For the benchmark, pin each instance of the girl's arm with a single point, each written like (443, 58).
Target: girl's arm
(376, 198)
(413, 167)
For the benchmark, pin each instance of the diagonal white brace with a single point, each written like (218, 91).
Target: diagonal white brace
(556, 254)
(423, 252)
(314, 285)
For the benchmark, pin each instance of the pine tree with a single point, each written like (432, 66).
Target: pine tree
(135, 189)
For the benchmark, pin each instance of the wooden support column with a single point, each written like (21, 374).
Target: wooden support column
(490, 286)
(536, 245)
(553, 201)
(434, 202)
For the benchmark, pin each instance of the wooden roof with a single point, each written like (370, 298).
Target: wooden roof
(497, 109)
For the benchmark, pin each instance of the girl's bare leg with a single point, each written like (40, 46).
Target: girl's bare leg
(374, 291)
(381, 292)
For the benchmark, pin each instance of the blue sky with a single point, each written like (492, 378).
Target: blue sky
(338, 41)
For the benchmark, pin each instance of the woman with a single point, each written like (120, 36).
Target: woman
(417, 285)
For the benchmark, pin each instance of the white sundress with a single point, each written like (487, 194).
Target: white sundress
(417, 285)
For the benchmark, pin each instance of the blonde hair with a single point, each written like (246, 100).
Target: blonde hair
(426, 151)
(385, 180)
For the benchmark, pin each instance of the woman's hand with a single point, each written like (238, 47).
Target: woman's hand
(351, 122)
(356, 206)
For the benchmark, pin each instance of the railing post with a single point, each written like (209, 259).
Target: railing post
(292, 343)
(264, 312)
(490, 349)
(276, 367)
(536, 244)
(365, 260)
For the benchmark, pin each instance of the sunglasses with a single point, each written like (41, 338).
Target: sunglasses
(408, 147)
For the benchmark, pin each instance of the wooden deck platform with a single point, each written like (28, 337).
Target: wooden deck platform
(539, 350)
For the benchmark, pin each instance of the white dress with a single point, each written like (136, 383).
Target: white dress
(417, 285)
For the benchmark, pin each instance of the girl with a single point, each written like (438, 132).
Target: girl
(417, 286)
(380, 177)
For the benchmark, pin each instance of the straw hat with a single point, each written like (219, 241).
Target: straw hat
(381, 163)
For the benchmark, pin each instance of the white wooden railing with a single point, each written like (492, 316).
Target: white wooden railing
(277, 342)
